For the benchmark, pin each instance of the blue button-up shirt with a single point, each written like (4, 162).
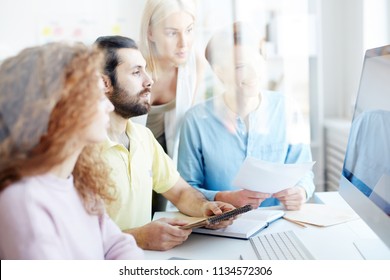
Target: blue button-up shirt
(214, 142)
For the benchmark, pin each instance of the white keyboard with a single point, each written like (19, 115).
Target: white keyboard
(279, 246)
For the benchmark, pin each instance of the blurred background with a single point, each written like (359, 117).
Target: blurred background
(314, 49)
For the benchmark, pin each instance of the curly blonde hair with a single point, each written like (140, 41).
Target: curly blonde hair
(48, 95)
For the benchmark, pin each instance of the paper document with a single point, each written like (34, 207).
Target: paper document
(269, 177)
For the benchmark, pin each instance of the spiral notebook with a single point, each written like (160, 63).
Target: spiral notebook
(246, 224)
(217, 218)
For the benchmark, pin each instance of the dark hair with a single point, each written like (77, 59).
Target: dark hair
(110, 45)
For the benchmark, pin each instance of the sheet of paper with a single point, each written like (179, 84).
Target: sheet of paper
(269, 177)
(321, 215)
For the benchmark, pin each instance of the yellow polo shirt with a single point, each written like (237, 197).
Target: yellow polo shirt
(136, 173)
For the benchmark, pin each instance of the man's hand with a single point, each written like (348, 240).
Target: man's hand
(212, 208)
(160, 235)
(242, 197)
(292, 198)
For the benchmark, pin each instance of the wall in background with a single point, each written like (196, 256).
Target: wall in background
(25, 23)
(339, 32)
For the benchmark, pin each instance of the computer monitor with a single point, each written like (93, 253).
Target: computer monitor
(365, 179)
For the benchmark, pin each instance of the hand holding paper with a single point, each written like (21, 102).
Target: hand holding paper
(292, 198)
(268, 177)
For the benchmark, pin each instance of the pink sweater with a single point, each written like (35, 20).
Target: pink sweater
(43, 218)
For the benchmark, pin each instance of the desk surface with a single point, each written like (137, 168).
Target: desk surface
(326, 243)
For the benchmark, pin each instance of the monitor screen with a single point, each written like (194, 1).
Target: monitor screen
(365, 180)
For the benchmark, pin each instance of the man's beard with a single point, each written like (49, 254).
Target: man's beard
(129, 106)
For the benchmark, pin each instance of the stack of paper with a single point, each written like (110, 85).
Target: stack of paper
(320, 215)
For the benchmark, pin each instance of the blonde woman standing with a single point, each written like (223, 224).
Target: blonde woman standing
(166, 42)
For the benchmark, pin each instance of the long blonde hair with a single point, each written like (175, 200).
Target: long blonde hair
(156, 11)
(48, 95)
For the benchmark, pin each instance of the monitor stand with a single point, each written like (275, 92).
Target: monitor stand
(372, 249)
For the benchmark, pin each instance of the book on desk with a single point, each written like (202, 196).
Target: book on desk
(243, 227)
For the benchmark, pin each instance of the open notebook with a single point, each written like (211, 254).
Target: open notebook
(243, 227)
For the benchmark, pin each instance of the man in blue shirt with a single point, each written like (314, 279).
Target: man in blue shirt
(217, 135)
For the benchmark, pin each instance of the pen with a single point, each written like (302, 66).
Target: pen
(295, 222)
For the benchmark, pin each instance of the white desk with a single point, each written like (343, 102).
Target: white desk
(328, 243)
